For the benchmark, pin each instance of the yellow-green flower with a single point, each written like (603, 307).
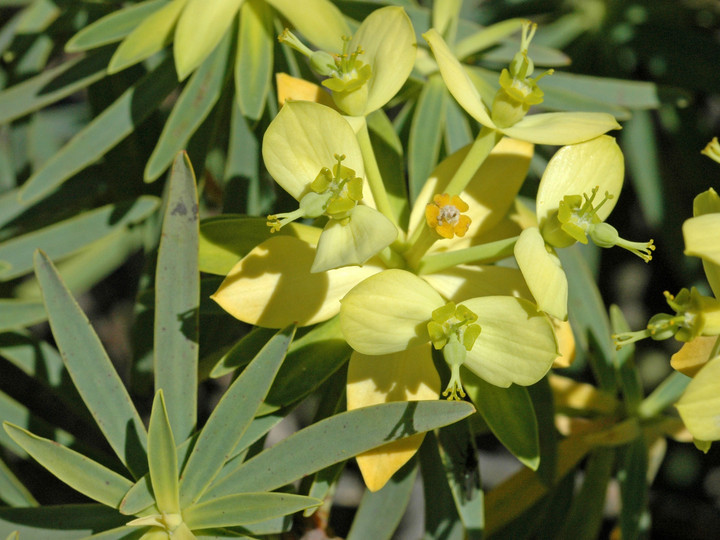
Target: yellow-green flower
(273, 286)
(445, 215)
(312, 153)
(518, 91)
(502, 339)
(567, 212)
(371, 66)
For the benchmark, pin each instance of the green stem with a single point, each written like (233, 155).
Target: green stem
(491, 251)
(667, 393)
(479, 151)
(374, 178)
(423, 237)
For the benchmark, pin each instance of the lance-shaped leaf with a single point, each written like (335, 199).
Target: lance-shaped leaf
(104, 132)
(151, 35)
(335, 439)
(52, 85)
(113, 27)
(510, 414)
(162, 458)
(92, 371)
(199, 29)
(245, 508)
(177, 297)
(69, 236)
(231, 417)
(254, 58)
(192, 107)
(79, 472)
(62, 522)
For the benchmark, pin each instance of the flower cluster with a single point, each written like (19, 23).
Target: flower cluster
(404, 287)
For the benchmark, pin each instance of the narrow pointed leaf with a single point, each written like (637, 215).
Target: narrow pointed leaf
(79, 472)
(113, 27)
(14, 493)
(162, 458)
(60, 522)
(441, 517)
(254, 60)
(380, 512)
(426, 132)
(588, 317)
(231, 417)
(104, 132)
(462, 470)
(586, 512)
(92, 371)
(201, 26)
(245, 508)
(69, 236)
(15, 314)
(632, 474)
(509, 413)
(52, 85)
(177, 297)
(192, 107)
(335, 439)
(151, 35)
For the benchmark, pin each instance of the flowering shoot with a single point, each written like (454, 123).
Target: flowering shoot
(579, 219)
(334, 194)
(445, 215)
(695, 315)
(517, 90)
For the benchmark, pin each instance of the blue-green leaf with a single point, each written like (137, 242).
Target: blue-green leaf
(509, 413)
(104, 132)
(162, 458)
(254, 59)
(335, 439)
(231, 418)
(244, 508)
(71, 235)
(192, 107)
(79, 472)
(92, 371)
(177, 297)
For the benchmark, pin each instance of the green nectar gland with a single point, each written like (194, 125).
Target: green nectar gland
(517, 90)
(333, 193)
(695, 315)
(577, 218)
(452, 330)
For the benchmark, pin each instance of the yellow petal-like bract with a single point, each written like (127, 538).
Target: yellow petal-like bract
(408, 375)
(388, 312)
(543, 273)
(699, 406)
(272, 286)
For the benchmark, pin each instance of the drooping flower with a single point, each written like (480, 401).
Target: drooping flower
(311, 152)
(518, 91)
(373, 64)
(567, 212)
